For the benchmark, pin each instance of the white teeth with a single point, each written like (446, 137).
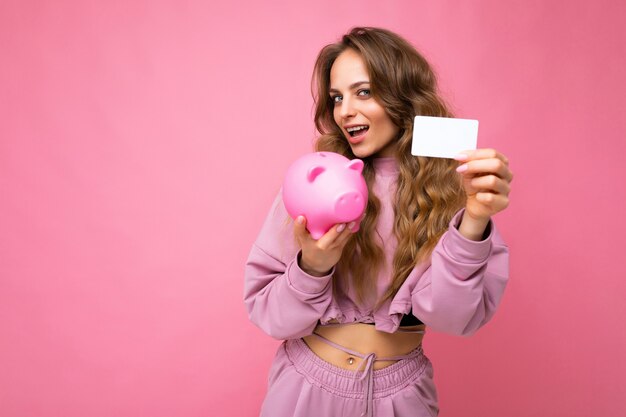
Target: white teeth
(354, 129)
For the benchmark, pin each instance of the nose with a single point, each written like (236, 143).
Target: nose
(346, 110)
(349, 206)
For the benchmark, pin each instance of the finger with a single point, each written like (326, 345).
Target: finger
(483, 153)
(486, 166)
(331, 236)
(497, 202)
(299, 228)
(491, 183)
(357, 224)
(344, 236)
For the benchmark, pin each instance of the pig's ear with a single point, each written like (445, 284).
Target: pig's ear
(314, 172)
(356, 164)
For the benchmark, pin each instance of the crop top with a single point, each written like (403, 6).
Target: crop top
(407, 320)
(456, 291)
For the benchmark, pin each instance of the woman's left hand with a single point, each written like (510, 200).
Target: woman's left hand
(486, 180)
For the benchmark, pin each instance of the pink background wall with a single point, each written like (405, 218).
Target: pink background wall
(142, 142)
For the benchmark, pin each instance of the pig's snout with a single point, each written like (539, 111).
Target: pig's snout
(349, 206)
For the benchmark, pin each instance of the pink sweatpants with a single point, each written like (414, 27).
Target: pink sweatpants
(301, 384)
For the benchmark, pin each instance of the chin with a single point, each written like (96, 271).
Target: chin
(361, 152)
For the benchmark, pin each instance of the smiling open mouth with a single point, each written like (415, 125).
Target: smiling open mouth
(357, 130)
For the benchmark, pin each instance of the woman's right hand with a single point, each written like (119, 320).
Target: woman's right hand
(320, 256)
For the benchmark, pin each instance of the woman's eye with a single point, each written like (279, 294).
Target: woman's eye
(364, 92)
(336, 99)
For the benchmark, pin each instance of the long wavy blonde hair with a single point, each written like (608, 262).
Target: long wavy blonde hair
(429, 191)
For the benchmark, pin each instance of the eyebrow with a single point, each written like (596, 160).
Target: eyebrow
(352, 86)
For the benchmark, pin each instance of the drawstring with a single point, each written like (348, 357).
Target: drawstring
(368, 372)
(367, 366)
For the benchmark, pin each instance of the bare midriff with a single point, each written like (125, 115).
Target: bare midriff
(365, 339)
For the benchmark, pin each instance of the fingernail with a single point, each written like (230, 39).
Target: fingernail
(351, 225)
(461, 157)
(341, 227)
(300, 219)
(462, 168)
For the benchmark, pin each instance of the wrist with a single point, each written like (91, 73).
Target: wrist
(473, 228)
(304, 266)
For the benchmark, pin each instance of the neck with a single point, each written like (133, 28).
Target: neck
(386, 166)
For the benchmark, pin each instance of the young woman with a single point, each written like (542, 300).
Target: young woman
(352, 307)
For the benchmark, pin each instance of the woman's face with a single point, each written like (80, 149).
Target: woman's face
(363, 121)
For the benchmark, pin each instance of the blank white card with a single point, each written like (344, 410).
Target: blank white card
(443, 137)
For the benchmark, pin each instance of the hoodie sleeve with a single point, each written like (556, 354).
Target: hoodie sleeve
(282, 299)
(461, 289)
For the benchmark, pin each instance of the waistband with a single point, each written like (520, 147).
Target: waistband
(365, 383)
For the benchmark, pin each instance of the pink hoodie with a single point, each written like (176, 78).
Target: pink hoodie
(457, 292)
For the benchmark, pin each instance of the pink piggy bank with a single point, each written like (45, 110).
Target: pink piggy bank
(327, 188)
